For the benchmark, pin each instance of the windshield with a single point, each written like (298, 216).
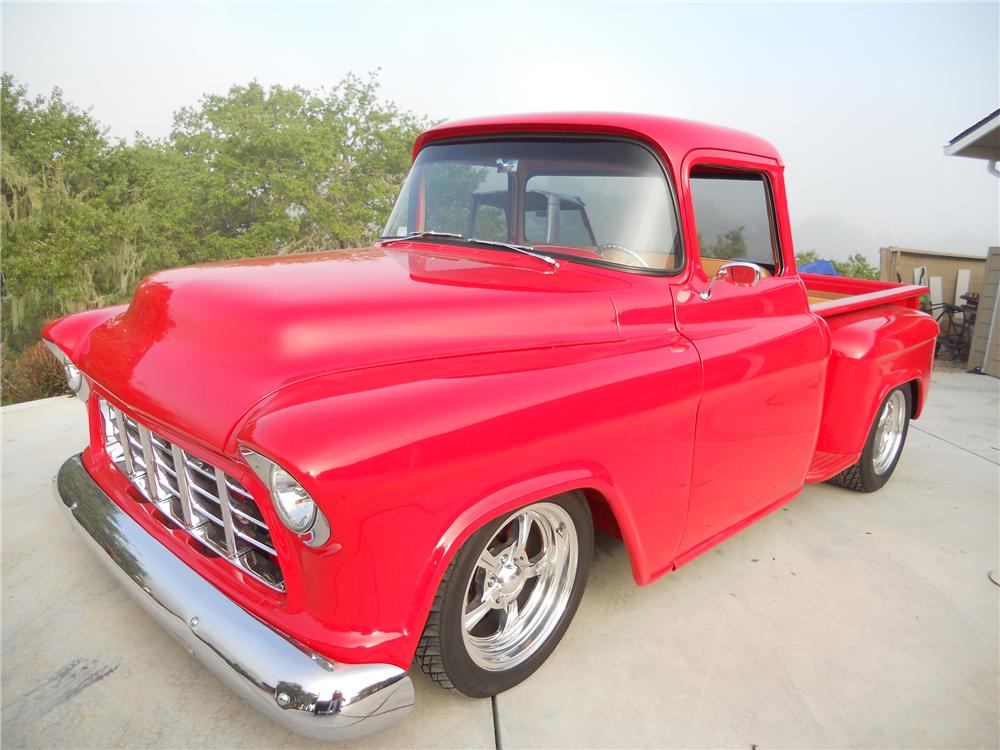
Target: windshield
(587, 200)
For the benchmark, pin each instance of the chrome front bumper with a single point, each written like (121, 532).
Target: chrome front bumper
(280, 677)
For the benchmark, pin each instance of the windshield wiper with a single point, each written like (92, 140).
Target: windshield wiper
(418, 235)
(525, 249)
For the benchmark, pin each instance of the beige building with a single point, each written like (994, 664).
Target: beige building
(903, 264)
(982, 141)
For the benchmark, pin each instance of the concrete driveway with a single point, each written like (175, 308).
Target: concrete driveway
(842, 620)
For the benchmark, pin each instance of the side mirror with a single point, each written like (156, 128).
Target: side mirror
(739, 272)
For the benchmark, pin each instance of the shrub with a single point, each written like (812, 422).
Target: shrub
(34, 373)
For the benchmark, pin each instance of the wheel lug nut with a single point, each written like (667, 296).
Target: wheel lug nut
(493, 581)
(503, 559)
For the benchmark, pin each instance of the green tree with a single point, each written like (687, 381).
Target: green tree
(807, 256)
(65, 224)
(856, 265)
(729, 244)
(283, 170)
(256, 171)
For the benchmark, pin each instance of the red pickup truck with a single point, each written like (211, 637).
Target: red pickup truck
(318, 470)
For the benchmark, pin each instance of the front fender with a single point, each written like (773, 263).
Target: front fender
(408, 460)
(72, 333)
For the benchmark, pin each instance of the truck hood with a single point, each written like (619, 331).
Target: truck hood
(199, 346)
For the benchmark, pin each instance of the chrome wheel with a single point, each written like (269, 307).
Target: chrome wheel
(520, 586)
(889, 433)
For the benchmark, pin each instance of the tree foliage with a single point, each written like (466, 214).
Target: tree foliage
(856, 265)
(255, 171)
(727, 245)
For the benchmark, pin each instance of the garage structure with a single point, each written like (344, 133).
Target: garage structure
(982, 141)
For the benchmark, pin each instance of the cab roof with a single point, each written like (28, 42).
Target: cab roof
(673, 136)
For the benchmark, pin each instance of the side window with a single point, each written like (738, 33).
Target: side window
(733, 217)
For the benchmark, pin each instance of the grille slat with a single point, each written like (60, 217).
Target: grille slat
(166, 467)
(203, 492)
(248, 517)
(120, 424)
(227, 513)
(201, 498)
(149, 461)
(210, 514)
(255, 543)
(195, 465)
(239, 491)
(183, 490)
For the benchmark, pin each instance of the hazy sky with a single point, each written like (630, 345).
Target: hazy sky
(858, 98)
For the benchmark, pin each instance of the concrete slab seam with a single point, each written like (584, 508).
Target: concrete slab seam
(949, 442)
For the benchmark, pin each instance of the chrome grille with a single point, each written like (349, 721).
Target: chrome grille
(202, 499)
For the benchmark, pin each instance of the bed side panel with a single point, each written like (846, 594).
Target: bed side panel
(874, 350)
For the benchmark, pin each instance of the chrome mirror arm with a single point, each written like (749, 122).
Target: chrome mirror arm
(706, 293)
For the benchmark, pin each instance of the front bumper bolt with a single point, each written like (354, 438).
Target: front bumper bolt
(193, 622)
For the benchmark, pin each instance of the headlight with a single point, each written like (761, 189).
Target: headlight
(296, 509)
(74, 378)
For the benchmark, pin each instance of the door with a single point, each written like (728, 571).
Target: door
(763, 353)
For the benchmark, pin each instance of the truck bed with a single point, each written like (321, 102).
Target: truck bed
(832, 295)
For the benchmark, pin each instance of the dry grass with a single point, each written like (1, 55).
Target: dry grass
(34, 373)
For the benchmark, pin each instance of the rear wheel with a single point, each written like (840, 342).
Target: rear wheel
(883, 446)
(507, 597)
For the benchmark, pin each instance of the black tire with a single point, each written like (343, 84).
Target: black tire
(442, 654)
(863, 476)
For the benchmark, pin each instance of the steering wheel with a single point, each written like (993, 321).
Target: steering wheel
(622, 249)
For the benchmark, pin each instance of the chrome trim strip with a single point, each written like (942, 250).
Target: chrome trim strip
(149, 460)
(183, 489)
(191, 464)
(205, 513)
(166, 467)
(227, 514)
(238, 491)
(204, 493)
(259, 545)
(256, 522)
(285, 680)
(120, 422)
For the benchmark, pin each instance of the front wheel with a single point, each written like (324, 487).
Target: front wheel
(883, 446)
(507, 597)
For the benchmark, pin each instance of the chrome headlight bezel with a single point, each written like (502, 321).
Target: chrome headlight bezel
(295, 506)
(311, 527)
(76, 381)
